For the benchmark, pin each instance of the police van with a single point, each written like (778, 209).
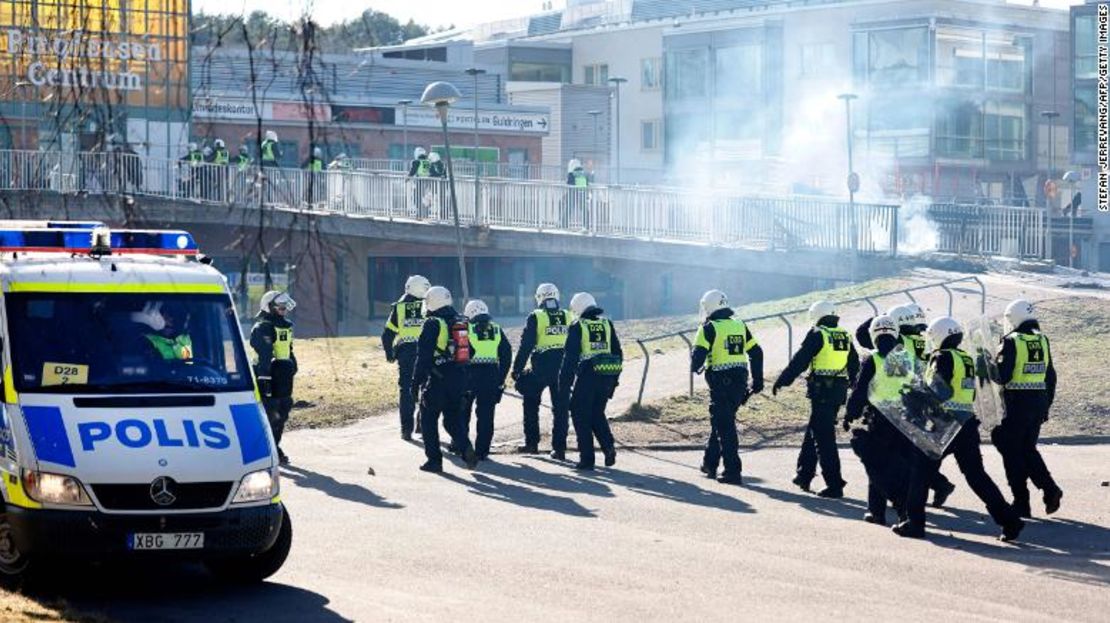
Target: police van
(130, 423)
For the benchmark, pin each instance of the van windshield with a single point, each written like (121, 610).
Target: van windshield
(74, 343)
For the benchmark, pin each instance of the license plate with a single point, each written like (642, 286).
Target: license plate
(166, 540)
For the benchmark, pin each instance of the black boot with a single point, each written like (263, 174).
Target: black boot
(1012, 530)
(558, 455)
(731, 479)
(802, 482)
(870, 517)
(432, 467)
(909, 530)
(940, 495)
(610, 457)
(528, 448)
(1052, 501)
(710, 472)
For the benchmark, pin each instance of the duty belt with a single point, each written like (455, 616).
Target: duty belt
(728, 366)
(841, 373)
(959, 406)
(485, 360)
(1040, 385)
(544, 349)
(405, 340)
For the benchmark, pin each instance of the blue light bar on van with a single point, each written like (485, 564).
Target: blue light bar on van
(68, 239)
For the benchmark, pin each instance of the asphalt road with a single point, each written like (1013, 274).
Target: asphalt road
(525, 538)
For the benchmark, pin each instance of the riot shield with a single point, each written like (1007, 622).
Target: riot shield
(984, 340)
(919, 416)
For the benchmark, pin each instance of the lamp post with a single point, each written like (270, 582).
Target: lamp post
(1051, 116)
(404, 104)
(618, 82)
(853, 179)
(474, 71)
(22, 86)
(594, 114)
(1071, 177)
(441, 95)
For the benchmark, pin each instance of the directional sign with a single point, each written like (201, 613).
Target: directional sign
(853, 182)
(461, 118)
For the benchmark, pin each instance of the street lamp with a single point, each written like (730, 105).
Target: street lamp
(618, 82)
(404, 104)
(22, 86)
(1071, 177)
(594, 114)
(441, 95)
(474, 71)
(853, 179)
(1051, 116)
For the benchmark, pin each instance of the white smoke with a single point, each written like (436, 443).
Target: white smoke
(917, 233)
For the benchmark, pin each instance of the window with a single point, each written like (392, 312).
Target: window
(1085, 53)
(960, 58)
(739, 71)
(650, 74)
(538, 72)
(898, 127)
(960, 130)
(687, 72)
(893, 58)
(650, 134)
(597, 75)
(1085, 119)
(818, 59)
(1004, 126)
(1006, 65)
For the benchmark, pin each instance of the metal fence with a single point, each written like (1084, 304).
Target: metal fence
(989, 230)
(522, 171)
(663, 214)
(785, 316)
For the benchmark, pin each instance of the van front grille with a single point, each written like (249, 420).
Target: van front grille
(137, 497)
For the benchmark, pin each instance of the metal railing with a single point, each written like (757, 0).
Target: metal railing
(784, 317)
(989, 230)
(707, 217)
(522, 171)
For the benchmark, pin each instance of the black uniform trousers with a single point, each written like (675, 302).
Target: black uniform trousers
(442, 396)
(587, 410)
(727, 390)
(277, 412)
(483, 393)
(531, 385)
(1016, 439)
(921, 472)
(819, 443)
(883, 452)
(406, 401)
(965, 447)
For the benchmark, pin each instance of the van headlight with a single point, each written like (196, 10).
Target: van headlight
(48, 488)
(258, 486)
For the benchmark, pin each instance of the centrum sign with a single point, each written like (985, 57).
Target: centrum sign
(461, 119)
(57, 59)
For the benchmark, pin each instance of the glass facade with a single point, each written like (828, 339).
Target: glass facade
(103, 60)
(1084, 84)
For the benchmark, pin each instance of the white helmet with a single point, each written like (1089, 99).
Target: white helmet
(475, 308)
(275, 298)
(712, 301)
(317, 152)
(940, 329)
(271, 135)
(417, 285)
(902, 315)
(1019, 312)
(438, 297)
(820, 309)
(419, 152)
(582, 301)
(433, 157)
(192, 146)
(882, 325)
(219, 143)
(546, 291)
(574, 163)
(917, 315)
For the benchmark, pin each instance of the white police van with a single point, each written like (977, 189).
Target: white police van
(130, 423)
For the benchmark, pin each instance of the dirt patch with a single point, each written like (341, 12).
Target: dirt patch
(341, 380)
(18, 608)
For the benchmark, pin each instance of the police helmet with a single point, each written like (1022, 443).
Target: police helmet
(192, 146)
(419, 153)
(546, 292)
(574, 165)
(1018, 313)
(475, 308)
(712, 301)
(882, 325)
(433, 157)
(273, 299)
(271, 135)
(244, 150)
(417, 285)
(317, 152)
(582, 301)
(219, 143)
(438, 297)
(941, 329)
(902, 315)
(917, 315)
(820, 309)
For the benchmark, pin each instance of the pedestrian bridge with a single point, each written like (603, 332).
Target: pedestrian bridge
(811, 237)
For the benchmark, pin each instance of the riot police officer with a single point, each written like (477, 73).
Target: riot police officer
(590, 372)
(541, 344)
(399, 339)
(491, 357)
(276, 365)
(1028, 380)
(725, 348)
(833, 364)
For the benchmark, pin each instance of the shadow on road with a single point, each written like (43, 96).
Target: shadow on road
(844, 508)
(495, 489)
(152, 591)
(340, 490)
(671, 489)
(528, 475)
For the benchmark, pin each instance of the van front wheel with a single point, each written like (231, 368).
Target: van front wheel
(13, 562)
(256, 567)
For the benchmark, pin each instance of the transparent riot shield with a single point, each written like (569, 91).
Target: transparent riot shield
(919, 415)
(984, 341)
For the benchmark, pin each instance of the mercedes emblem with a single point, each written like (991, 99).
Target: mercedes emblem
(161, 491)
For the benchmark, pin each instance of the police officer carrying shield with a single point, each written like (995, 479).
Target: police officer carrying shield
(276, 365)
(541, 344)
(950, 375)
(399, 340)
(1028, 380)
(725, 348)
(440, 379)
(590, 372)
(833, 364)
(491, 357)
